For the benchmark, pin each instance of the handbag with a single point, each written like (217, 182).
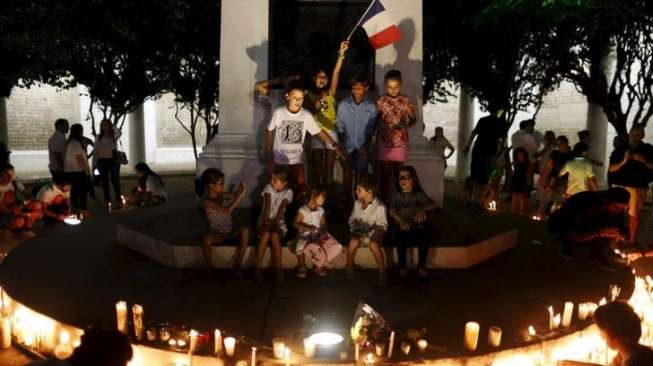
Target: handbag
(121, 156)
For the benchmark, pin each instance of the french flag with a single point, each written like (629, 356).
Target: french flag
(380, 28)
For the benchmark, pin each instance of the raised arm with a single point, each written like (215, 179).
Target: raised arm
(335, 77)
(239, 197)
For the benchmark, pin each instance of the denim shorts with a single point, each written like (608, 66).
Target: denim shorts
(358, 162)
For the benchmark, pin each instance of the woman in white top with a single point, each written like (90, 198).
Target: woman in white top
(107, 162)
(77, 169)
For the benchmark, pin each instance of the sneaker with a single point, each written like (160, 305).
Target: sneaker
(321, 271)
(278, 276)
(302, 272)
(403, 272)
(383, 279)
(350, 273)
(258, 275)
(423, 273)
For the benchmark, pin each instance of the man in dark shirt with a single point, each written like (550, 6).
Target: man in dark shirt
(549, 180)
(595, 220)
(487, 136)
(631, 167)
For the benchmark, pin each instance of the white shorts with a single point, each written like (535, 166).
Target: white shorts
(317, 143)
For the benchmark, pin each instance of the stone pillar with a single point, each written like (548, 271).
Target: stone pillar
(137, 136)
(4, 126)
(406, 56)
(597, 124)
(465, 126)
(243, 61)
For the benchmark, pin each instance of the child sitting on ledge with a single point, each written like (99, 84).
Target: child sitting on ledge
(271, 226)
(219, 215)
(310, 222)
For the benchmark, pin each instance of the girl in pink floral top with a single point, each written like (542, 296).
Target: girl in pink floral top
(397, 114)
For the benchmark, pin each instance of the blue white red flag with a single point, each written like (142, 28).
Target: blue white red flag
(380, 28)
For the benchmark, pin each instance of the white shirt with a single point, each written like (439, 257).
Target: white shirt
(71, 164)
(56, 144)
(276, 198)
(51, 194)
(290, 131)
(525, 140)
(312, 217)
(155, 187)
(9, 187)
(105, 146)
(373, 215)
(580, 170)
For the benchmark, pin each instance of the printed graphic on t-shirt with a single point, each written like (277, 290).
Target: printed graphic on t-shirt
(291, 132)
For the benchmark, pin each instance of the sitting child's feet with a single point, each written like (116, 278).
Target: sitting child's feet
(383, 279)
(350, 273)
(321, 271)
(279, 276)
(258, 275)
(422, 272)
(403, 272)
(302, 272)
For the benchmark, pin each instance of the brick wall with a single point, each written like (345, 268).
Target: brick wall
(169, 132)
(31, 114)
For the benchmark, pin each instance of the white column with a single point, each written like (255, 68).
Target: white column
(137, 135)
(243, 61)
(4, 126)
(149, 116)
(597, 124)
(465, 126)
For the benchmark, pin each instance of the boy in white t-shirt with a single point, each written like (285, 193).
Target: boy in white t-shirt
(284, 143)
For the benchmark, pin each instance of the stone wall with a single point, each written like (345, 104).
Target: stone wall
(31, 114)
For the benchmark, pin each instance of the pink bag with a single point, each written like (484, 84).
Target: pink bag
(323, 250)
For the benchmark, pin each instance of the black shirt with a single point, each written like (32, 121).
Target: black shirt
(584, 213)
(633, 173)
(489, 130)
(559, 160)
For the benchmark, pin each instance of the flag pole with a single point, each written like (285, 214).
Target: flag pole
(359, 20)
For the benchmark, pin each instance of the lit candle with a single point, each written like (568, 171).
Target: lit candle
(551, 317)
(109, 207)
(556, 321)
(286, 353)
(5, 332)
(217, 342)
(471, 335)
(357, 350)
(592, 308)
(603, 301)
(392, 344)
(124, 201)
(405, 348)
(278, 348)
(309, 347)
(181, 343)
(137, 313)
(369, 359)
(172, 343)
(63, 350)
(494, 336)
(379, 348)
(567, 314)
(193, 341)
(583, 310)
(531, 331)
(253, 356)
(121, 316)
(230, 345)
(422, 344)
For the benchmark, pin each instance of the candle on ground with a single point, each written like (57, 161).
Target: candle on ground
(471, 335)
(551, 315)
(217, 342)
(556, 321)
(392, 344)
(193, 341)
(230, 345)
(253, 356)
(379, 348)
(583, 310)
(494, 336)
(286, 354)
(278, 348)
(567, 314)
(137, 312)
(357, 350)
(422, 344)
(309, 347)
(405, 348)
(121, 316)
(5, 332)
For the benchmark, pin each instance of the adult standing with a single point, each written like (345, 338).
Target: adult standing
(107, 161)
(77, 169)
(631, 167)
(549, 181)
(487, 136)
(57, 148)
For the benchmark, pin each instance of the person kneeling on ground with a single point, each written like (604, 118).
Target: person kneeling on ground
(219, 215)
(99, 347)
(16, 216)
(150, 190)
(621, 329)
(368, 224)
(55, 199)
(408, 207)
(595, 220)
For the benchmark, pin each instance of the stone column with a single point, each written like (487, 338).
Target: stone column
(243, 61)
(597, 124)
(137, 136)
(465, 126)
(4, 126)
